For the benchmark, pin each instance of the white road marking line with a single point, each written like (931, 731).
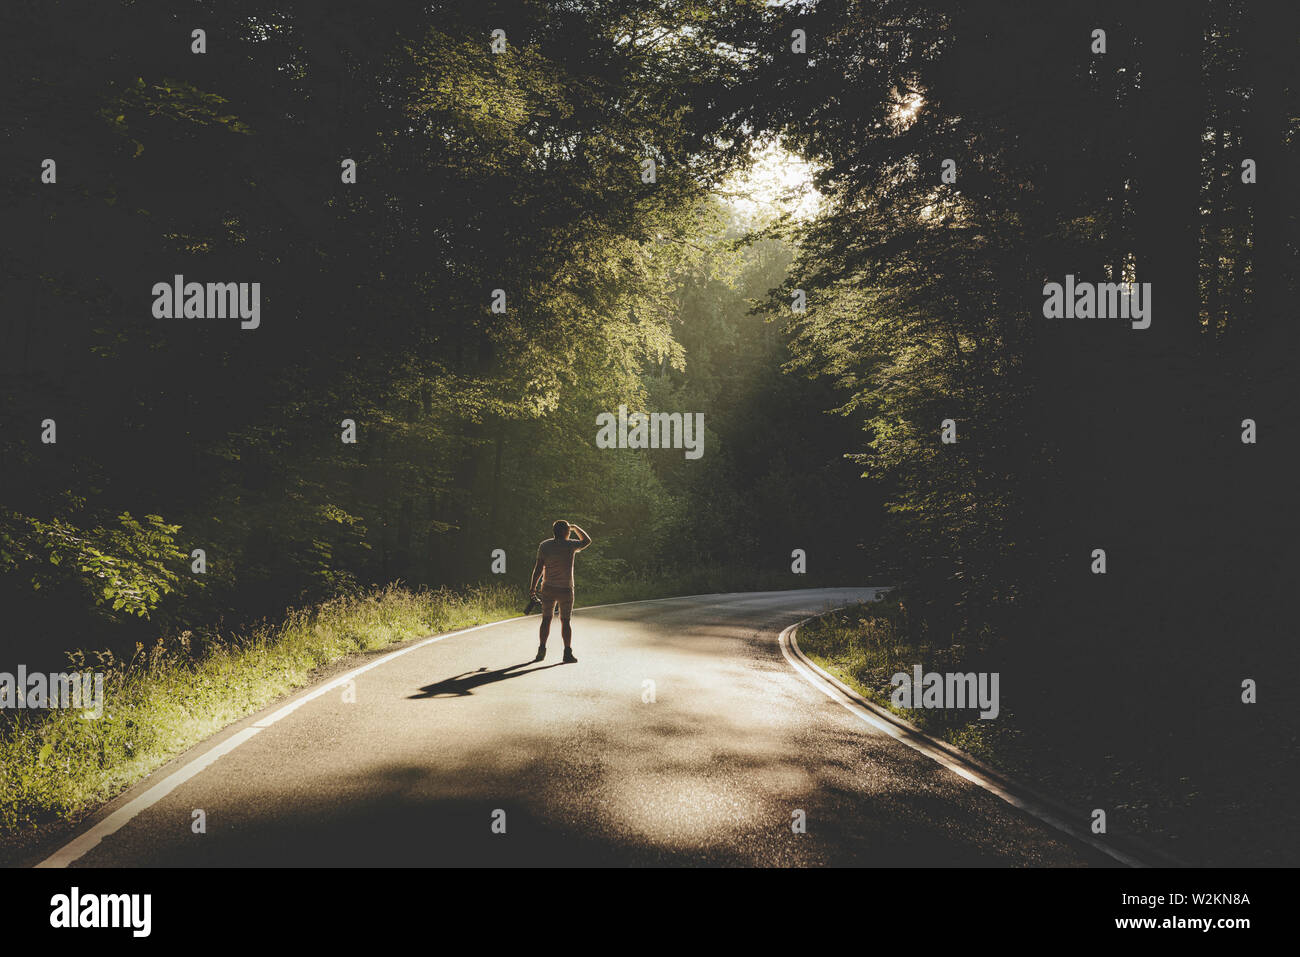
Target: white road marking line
(834, 690)
(80, 845)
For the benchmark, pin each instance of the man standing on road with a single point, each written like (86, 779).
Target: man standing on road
(554, 572)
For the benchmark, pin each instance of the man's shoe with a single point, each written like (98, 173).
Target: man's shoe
(568, 656)
(541, 653)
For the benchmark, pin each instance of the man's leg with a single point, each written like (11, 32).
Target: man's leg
(548, 609)
(566, 626)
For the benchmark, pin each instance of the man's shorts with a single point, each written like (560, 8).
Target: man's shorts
(557, 596)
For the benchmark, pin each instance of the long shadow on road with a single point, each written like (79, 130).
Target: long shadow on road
(464, 683)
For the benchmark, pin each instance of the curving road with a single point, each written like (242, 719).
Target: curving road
(585, 770)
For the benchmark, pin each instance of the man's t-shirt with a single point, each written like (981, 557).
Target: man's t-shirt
(556, 556)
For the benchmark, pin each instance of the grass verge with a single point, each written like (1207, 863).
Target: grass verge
(56, 766)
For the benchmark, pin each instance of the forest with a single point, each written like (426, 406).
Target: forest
(474, 429)
(830, 228)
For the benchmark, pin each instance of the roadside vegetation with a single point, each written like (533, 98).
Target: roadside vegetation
(1064, 729)
(55, 765)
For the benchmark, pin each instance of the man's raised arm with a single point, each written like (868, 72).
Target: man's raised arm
(583, 537)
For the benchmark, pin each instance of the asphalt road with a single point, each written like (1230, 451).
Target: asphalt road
(585, 770)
